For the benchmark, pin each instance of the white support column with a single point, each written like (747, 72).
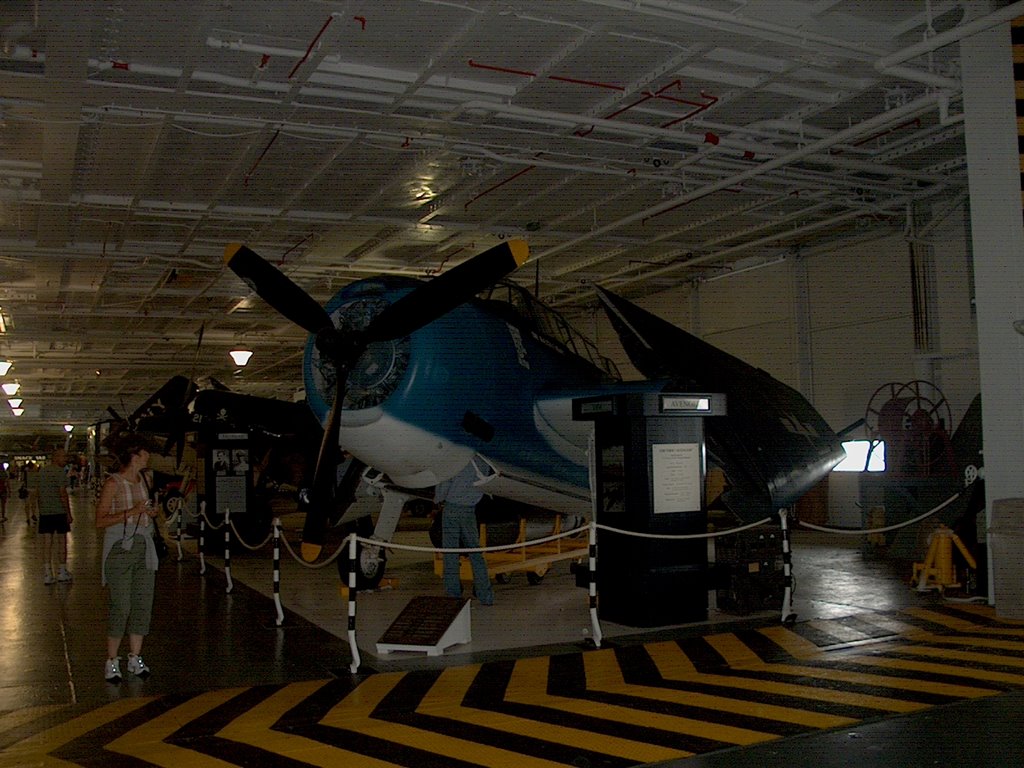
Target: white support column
(998, 254)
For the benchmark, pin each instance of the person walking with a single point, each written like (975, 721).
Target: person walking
(5, 492)
(129, 560)
(29, 491)
(458, 498)
(54, 515)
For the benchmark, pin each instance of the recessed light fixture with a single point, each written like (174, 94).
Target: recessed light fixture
(5, 366)
(15, 402)
(240, 356)
(10, 388)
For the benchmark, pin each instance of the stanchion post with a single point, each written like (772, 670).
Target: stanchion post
(354, 666)
(227, 549)
(788, 617)
(594, 621)
(277, 570)
(202, 539)
(177, 530)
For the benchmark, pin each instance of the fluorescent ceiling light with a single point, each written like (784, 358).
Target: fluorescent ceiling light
(10, 388)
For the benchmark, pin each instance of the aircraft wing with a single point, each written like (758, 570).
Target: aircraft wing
(232, 410)
(773, 446)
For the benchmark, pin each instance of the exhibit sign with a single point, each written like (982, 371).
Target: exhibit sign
(676, 477)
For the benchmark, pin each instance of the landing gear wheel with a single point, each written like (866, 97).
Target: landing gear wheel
(970, 475)
(371, 560)
(173, 502)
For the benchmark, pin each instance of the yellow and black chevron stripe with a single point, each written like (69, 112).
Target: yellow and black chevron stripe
(611, 707)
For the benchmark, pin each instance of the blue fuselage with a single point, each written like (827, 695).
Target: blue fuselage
(475, 381)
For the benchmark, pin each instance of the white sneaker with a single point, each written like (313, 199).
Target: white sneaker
(137, 666)
(63, 576)
(112, 670)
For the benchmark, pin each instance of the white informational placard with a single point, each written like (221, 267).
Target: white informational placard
(676, 477)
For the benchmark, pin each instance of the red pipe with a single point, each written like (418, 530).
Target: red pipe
(245, 182)
(487, 191)
(593, 83)
(700, 108)
(522, 72)
(309, 50)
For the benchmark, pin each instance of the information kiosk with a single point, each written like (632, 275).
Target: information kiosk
(649, 468)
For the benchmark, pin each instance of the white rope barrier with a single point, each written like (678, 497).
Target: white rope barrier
(886, 529)
(313, 566)
(680, 536)
(241, 541)
(352, 540)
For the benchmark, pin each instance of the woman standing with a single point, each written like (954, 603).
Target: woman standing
(130, 561)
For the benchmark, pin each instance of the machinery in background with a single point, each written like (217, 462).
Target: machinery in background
(926, 462)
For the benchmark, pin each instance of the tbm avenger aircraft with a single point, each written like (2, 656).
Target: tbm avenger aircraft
(416, 378)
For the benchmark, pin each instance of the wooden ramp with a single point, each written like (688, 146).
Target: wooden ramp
(428, 625)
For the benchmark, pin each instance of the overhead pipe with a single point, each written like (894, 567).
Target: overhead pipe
(1003, 15)
(647, 96)
(807, 229)
(890, 65)
(729, 21)
(601, 258)
(898, 114)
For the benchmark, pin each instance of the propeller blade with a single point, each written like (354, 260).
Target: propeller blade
(325, 476)
(275, 288)
(446, 291)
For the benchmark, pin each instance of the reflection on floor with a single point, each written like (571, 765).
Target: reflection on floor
(230, 687)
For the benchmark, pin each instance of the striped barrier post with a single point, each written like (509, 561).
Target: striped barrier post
(354, 667)
(227, 549)
(177, 531)
(202, 542)
(594, 622)
(788, 617)
(277, 571)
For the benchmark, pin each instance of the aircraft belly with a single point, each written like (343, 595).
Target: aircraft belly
(407, 454)
(510, 482)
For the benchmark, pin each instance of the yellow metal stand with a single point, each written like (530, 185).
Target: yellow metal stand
(534, 559)
(937, 571)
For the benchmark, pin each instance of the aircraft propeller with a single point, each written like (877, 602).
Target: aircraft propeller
(424, 304)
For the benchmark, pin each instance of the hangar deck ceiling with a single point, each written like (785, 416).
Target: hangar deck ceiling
(636, 144)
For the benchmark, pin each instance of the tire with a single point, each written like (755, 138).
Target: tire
(370, 567)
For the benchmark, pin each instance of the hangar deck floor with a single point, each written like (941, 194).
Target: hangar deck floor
(872, 674)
